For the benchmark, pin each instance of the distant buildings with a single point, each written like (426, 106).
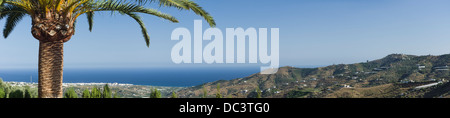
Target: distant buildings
(380, 68)
(347, 86)
(95, 84)
(421, 66)
(442, 68)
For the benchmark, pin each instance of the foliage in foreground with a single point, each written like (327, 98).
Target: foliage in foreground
(155, 94)
(95, 93)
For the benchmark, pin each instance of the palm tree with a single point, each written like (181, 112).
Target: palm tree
(53, 24)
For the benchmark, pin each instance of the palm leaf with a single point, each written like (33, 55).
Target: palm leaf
(11, 22)
(24, 4)
(125, 8)
(199, 11)
(143, 29)
(90, 18)
(6, 10)
(186, 5)
(15, 10)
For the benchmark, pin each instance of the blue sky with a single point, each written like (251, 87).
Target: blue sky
(312, 32)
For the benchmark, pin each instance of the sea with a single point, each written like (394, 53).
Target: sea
(176, 77)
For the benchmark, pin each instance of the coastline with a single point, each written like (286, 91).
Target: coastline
(173, 77)
(124, 90)
(18, 83)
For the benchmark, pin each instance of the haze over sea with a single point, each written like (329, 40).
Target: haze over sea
(179, 77)
(137, 76)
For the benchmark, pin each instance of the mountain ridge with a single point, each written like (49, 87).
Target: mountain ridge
(385, 77)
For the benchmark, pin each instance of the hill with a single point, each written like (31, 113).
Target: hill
(396, 75)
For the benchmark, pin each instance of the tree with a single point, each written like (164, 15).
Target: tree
(258, 92)
(174, 95)
(6, 88)
(3, 89)
(53, 24)
(218, 95)
(27, 93)
(106, 92)
(86, 94)
(96, 93)
(205, 93)
(155, 94)
(2, 93)
(16, 94)
(70, 94)
(1, 83)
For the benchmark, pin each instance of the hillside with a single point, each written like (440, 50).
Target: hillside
(396, 75)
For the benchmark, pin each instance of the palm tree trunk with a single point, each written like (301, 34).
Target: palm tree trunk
(50, 69)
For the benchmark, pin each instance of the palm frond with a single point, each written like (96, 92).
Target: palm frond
(58, 5)
(24, 4)
(11, 22)
(186, 5)
(199, 11)
(72, 6)
(156, 13)
(125, 8)
(15, 10)
(6, 10)
(90, 18)
(143, 29)
(74, 26)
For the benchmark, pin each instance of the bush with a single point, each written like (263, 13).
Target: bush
(106, 92)
(70, 94)
(297, 93)
(86, 94)
(2, 93)
(96, 93)
(155, 94)
(16, 94)
(174, 95)
(27, 93)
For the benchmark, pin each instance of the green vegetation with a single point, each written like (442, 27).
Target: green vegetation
(53, 24)
(4, 89)
(106, 92)
(9, 91)
(2, 93)
(205, 93)
(27, 93)
(395, 75)
(218, 95)
(70, 94)
(258, 92)
(299, 93)
(95, 93)
(155, 94)
(86, 94)
(16, 94)
(84, 91)
(174, 95)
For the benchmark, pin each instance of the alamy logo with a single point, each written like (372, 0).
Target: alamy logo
(213, 52)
